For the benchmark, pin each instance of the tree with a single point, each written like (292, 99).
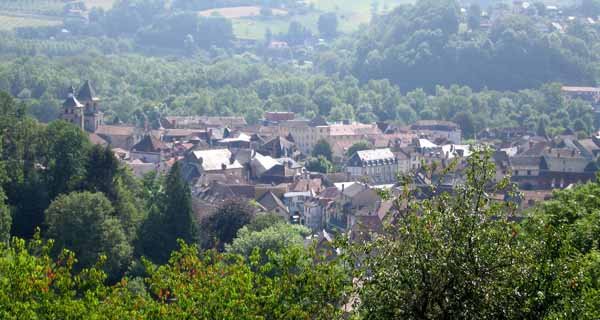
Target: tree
(454, 256)
(84, 223)
(541, 127)
(5, 219)
(322, 148)
(104, 174)
(170, 219)
(274, 238)
(297, 33)
(358, 146)
(319, 164)
(222, 226)
(466, 123)
(328, 24)
(474, 16)
(590, 7)
(264, 221)
(101, 170)
(67, 149)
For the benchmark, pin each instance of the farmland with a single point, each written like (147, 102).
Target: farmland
(351, 14)
(10, 22)
(240, 12)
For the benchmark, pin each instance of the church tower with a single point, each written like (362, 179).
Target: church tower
(93, 117)
(73, 110)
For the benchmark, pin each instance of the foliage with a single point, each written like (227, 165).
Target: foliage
(319, 164)
(222, 226)
(358, 146)
(66, 152)
(264, 221)
(171, 218)
(192, 285)
(85, 223)
(421, 46)
(271, 239)
(328, 24)
(454, 255)
(322, 148)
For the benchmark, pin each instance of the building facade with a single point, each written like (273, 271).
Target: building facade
(380, 165)
(82, 109)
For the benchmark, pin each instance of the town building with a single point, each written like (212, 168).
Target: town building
(149, 150)
(82, 109)
(306, 134)
(380, 166)
(437, 129)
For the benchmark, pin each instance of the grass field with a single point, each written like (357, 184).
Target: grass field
(351, 14)
(12, 22)
(239, 12)
(106, 4)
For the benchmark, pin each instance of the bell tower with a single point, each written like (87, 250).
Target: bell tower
(92, 116)
(73, 110)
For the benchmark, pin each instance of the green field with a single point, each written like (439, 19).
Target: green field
(351, 14)
(106, 4)
(11, 22)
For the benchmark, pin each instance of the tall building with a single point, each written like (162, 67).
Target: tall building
(82, 108)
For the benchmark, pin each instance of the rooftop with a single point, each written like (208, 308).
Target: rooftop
(215, 160)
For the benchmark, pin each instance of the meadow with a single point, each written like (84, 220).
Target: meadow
(351, 15)
(9, 22)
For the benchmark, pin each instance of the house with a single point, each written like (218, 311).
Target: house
(124, 137)
(379, 165)
(149, 150)
(236, 141)
(435, 129)
(285, 171)
(279, 147)
(203, 122)
(273, 204)
(295, 202)
(590, 94)
(312, 216)
(307, 133)
(205, 166)
(277, 117)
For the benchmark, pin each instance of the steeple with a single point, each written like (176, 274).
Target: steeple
(87, 93)
(73, 109)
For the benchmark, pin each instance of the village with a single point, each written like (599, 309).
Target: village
(224, 159)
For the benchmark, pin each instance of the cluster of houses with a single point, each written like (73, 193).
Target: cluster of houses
(224, 158)
(555, 18)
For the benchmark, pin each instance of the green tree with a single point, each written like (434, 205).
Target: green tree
(67, 149)
(328, 24)
(274, 238)
(84, 223)
(104, 174)
(319, 164)
(322, 148)
(358, 146)
(221, 227)
(101, 169)
(466, 122)
(454, 256)
(171, 217)
(263, 221)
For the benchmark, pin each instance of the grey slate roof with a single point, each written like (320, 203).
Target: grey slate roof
(87, 92)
